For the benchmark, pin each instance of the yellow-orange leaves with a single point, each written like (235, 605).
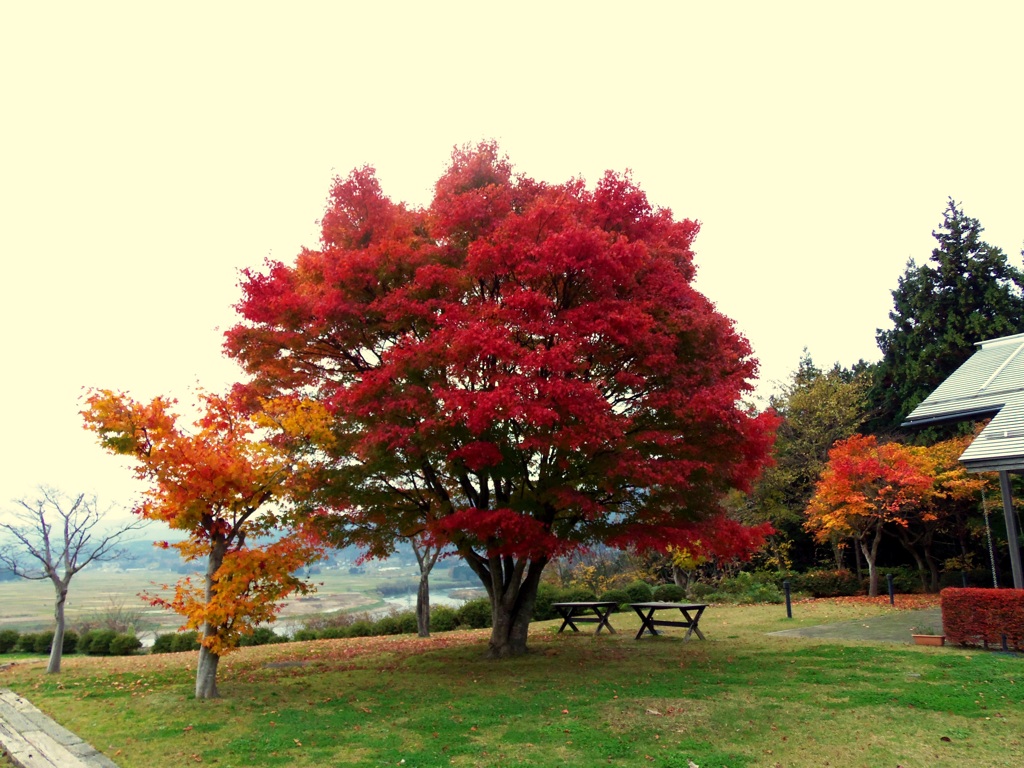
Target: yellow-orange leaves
(228, 489)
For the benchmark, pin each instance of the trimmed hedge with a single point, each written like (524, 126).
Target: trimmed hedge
(443, 618)
(176, 642)
(124, 645)
(668, 593)
(975, 616)
(826, 583)
(8, 640)
(619, 596)
(475, 614)
(639, 592)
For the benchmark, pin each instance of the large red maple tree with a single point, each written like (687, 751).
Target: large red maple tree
(520, 369)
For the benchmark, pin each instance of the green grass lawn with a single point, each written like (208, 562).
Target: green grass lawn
(740, 699)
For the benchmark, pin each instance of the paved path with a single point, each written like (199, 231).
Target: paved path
(33, 740)
(894, 627)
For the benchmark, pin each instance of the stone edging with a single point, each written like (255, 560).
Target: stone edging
(33, 740)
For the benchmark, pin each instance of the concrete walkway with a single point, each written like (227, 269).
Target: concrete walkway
(894, 627)
(33, 740)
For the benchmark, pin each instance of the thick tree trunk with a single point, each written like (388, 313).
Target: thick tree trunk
(57, 647)
(512, 606)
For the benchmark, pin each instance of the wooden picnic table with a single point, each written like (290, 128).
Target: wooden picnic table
(570, 613)
(691, 617)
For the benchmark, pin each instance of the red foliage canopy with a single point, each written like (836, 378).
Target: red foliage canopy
(520, 369)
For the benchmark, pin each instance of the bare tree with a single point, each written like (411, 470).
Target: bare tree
(54, 537)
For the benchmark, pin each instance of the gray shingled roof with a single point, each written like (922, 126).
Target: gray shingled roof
(990, 383)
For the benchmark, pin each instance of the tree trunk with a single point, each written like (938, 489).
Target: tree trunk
(871, 555)
(206, 671)
(921, 566)
(423, 605)
(57, 647)
(681, 578)
(426, 556)
(512, 605)
(206, 674)
(837, 552)
(933, 572)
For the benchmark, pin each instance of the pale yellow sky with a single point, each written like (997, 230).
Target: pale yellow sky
(149, 153)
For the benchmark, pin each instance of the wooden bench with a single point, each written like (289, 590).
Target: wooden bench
(691, 617)
(570, 613)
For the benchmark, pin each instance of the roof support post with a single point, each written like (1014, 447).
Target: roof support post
(1011, 529)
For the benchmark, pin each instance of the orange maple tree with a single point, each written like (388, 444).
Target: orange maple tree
(227, 489)
(954, 496)
(865, 486)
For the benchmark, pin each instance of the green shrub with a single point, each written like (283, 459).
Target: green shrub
(163, 643)
(99, 642)
(701, 589)
(34, 642)
(547, 594)
(905, 580)
(8, 640)
(825, 583)
(639, 592)
(70, 644)
(124, 644)
(576, 595)
(443, 618)
(303, 635)
(185, 641)
(387, 625)
(407, 623)
(334, 633)
(745, 589)
(43, 642)
(260, 636)
(668, 593)
(619, 596)
(361, 628)
(475, 614)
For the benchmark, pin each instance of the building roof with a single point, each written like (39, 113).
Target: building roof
(989, 384)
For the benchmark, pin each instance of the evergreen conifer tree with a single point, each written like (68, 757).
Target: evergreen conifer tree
(966, 293)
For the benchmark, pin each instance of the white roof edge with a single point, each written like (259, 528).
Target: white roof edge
(1017, 338)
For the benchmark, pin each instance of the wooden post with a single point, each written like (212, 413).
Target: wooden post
(1011, 529)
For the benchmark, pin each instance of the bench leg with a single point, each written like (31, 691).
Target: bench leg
(603, 621)
(567, 622)
(646, 625)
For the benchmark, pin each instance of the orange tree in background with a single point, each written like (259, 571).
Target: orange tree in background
(519, 370)
(955, 496)
(864, 487)
(225, 489)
